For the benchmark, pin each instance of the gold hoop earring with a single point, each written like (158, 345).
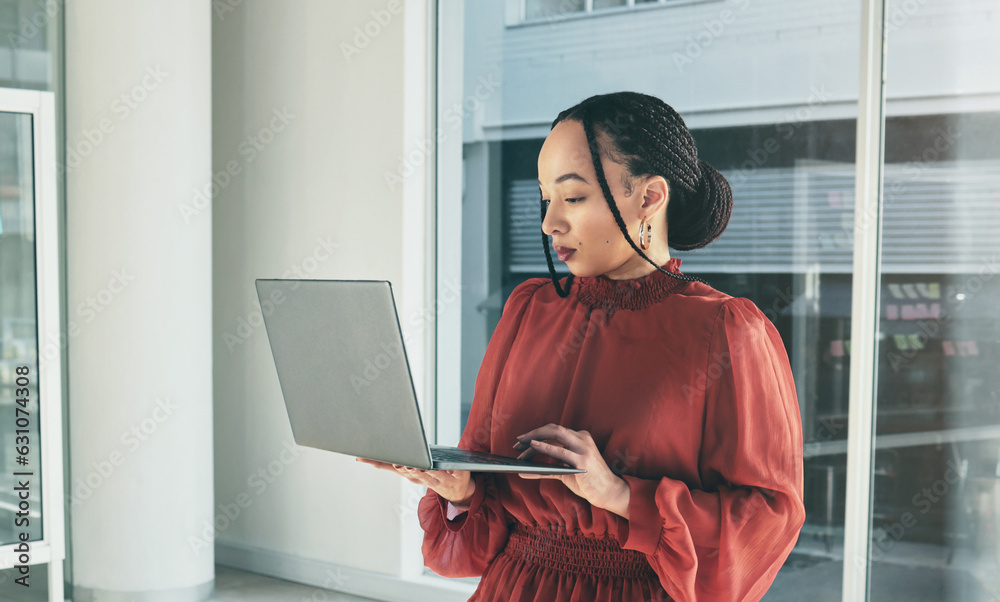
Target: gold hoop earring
(645, 234)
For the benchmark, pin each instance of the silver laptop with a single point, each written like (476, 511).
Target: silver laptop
(338, 350)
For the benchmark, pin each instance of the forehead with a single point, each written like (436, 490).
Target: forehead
(565, 151)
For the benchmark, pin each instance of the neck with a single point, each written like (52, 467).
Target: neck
(637, 266)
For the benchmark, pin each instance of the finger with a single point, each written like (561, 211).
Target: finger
(407, 470)
(380, 465)
(422, 473)
(393, 468)
(567, 437)
(530, 452)
(373, 462)
(559, 453)
(417, 476)
(541, 432)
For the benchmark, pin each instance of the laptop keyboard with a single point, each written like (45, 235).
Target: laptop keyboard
(450, 455)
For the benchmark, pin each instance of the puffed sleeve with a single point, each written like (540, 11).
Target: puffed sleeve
(463, 547)
(727, 540)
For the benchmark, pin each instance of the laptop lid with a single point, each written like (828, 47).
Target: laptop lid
(338, 351)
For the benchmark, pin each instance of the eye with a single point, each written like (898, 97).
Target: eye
(545, 202)
(575, 200)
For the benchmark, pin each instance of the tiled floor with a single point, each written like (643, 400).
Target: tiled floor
(232, 585)
(822, 581)
(920, 573)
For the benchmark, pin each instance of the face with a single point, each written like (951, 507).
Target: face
(578, 216)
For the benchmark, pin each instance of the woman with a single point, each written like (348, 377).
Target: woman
(675, 398)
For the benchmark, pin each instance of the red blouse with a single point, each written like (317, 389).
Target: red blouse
(689, 396)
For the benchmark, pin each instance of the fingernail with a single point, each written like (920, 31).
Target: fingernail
(536, 442)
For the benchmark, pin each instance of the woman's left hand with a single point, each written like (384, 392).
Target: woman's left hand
(599, 485)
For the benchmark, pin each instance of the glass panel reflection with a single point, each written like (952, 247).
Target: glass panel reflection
(936, 487)
(18, 332)
(544, 9)
(769, 91)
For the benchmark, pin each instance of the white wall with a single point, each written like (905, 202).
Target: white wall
(321, 178)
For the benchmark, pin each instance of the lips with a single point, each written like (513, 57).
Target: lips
(564, 252)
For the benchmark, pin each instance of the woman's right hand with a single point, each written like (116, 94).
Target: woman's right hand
(456, 486)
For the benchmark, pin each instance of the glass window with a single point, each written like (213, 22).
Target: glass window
(770, 95)
(31, 57)
(18, 330)
(548, 9)
(30, 36)
(542, 9)
(600, 4)
(936, 481)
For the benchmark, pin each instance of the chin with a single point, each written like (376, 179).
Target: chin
(583, 271)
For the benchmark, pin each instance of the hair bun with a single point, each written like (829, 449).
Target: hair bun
(703, 215)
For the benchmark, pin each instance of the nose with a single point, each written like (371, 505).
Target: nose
(553, 222)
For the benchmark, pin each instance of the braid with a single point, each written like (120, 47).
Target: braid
(596, 157)
(548, 258)
(650, 138)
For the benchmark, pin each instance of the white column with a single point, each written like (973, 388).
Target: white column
(139, 277)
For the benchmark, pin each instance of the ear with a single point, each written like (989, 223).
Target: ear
(655, 194)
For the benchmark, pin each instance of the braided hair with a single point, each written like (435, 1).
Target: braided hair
(648, 137)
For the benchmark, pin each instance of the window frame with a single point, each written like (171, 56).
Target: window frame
(517, 10)
(50, 550)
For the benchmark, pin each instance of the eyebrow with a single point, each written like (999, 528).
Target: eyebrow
(568, 176)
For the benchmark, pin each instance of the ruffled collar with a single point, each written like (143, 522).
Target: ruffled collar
(634, 293)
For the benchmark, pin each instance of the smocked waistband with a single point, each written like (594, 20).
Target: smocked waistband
(576, 553)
